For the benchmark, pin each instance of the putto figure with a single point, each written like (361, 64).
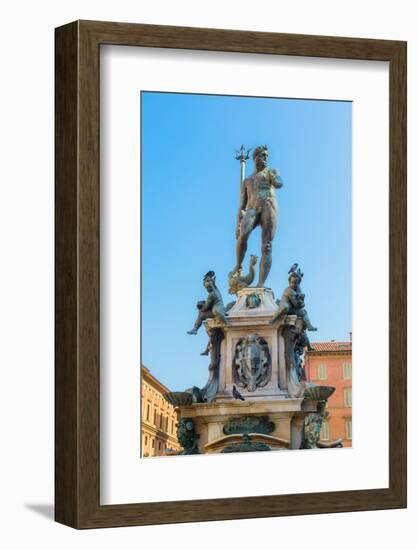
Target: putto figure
(212, 307)
(258, 206)
(292, 301)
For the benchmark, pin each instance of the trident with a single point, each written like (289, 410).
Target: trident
(243, 156)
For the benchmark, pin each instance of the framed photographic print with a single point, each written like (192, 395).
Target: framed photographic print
(230, 274)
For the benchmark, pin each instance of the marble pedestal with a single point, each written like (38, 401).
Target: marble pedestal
(244, 319)
(251, 314)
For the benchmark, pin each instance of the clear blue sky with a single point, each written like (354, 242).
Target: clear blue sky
(190, 196)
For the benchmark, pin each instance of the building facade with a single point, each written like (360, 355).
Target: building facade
(330, 364)
(158, 418)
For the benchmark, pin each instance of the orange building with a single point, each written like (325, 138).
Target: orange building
(330, 364)
(159, 418)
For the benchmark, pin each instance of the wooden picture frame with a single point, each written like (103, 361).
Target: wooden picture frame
(77, 405)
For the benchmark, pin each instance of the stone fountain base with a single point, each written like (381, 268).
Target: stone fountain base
(276, 423)
(256, 398)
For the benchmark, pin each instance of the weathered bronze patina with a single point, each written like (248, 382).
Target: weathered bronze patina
(313, 423)
(246, 446)
(212, 307)
(187, 436)
(292, 302)
(237, 281)
(258, 206)
(248, 424)
(209, 391)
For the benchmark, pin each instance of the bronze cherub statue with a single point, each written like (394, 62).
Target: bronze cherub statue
(213, 307)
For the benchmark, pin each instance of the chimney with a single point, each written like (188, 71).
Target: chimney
(350, 337)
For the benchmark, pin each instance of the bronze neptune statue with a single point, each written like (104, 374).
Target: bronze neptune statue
(258, 206)
(237, 280)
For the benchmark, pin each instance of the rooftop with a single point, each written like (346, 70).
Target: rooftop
(331, 347)
(151, 379)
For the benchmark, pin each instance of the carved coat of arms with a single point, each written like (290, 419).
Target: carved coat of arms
(252, 363)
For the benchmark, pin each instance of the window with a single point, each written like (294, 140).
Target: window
(159, 445)
(155, 416)
(161, 418)
(347, 371)
(166, 424)
(172, 426)
(324, 434)
(146, 440)
(348, 428)
(347, 393)
(322, 372)
(148, 411)
(153, 443)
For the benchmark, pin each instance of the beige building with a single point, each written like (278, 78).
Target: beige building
(159, 418)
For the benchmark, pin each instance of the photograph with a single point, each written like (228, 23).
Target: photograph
(246, 274)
